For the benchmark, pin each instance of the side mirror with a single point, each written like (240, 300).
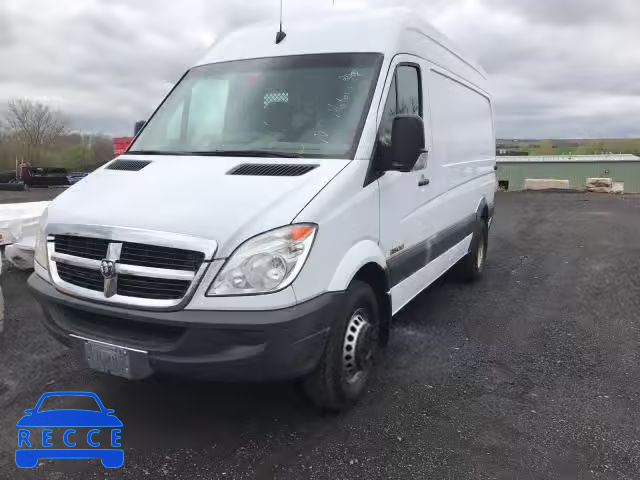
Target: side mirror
(138, 126)
(407, 144)
(29, 411)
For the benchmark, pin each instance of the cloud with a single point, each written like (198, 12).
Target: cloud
(568, 12)
(561, 69)
(6, 27)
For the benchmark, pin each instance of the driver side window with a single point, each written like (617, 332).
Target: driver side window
(405, 97)
(390, 110)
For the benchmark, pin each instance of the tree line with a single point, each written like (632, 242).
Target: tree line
(33, 132)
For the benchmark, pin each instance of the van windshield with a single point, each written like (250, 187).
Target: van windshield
(306, 106)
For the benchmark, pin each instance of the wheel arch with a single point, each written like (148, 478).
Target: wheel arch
(365, 261)
(359, 255)
(483, 210)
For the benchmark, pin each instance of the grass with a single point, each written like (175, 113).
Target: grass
(572, 147)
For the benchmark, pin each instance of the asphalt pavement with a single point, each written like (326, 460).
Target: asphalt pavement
(531, 373)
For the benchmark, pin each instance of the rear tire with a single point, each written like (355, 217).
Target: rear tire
(341, 377)
(470, 268)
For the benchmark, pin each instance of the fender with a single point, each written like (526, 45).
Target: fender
(483, 203)
(362, 253)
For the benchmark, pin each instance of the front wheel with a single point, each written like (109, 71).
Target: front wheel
(341, 376)
(470, 268)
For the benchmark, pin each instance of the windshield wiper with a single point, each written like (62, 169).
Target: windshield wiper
(247, 153)
(220, 153)
(156, 152)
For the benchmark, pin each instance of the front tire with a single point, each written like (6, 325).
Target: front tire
(470, 268)
(341, 377)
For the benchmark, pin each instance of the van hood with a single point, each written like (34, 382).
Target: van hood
(194, 196)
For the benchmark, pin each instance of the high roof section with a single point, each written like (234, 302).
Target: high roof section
(386, 30)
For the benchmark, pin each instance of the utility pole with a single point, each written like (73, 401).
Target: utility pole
(83, 150)
(90, 151)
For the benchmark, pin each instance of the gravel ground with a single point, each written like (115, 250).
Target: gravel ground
(33, 195)
(532, 373)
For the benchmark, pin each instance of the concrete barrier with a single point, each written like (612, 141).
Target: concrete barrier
(618, 187)
(600, 185)
(546, 184)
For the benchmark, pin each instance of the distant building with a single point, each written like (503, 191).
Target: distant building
(514, 171)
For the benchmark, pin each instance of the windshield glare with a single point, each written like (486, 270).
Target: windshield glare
(306, 106)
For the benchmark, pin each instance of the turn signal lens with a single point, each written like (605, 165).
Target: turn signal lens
(266, 263)
(301, 232)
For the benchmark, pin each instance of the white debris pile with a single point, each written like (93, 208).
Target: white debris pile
(21, 254)
(599, 185)
(18, 228)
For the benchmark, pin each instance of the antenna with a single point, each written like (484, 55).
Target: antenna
(280, 36)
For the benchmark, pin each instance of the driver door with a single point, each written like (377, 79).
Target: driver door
(404, 226)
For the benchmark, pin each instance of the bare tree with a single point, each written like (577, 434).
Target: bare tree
(34, 125)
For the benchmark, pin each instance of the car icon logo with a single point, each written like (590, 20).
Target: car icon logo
(108, 269)
(69, 433)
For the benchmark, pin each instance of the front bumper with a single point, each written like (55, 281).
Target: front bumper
(214, 345)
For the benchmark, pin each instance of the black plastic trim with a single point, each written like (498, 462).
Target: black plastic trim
(409, 261)
(46, 292)
(126, 165)
(243, 345)
(272, 169)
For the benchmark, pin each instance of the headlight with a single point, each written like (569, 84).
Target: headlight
(266, 263)
(40, 254)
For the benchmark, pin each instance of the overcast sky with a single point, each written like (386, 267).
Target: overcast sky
(560, 68)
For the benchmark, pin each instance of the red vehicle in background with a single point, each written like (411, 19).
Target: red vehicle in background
(120, 145)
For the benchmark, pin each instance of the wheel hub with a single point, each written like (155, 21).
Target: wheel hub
(358, 347)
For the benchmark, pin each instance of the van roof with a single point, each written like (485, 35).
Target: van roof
(381, 30)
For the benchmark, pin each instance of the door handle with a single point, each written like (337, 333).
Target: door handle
(424, 181)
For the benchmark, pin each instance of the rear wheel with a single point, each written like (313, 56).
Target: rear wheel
(470, 268)
(341, 377)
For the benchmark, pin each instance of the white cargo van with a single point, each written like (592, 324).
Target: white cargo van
(280, 206)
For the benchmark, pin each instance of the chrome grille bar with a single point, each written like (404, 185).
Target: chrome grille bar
(123, 269)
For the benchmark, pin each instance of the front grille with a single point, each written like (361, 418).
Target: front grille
(128, 285)
(160, 257)
(93, 248)
(144, 272)
(132, 253)
(80, 276)
(152, 288)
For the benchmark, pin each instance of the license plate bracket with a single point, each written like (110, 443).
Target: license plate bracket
(118, 361)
